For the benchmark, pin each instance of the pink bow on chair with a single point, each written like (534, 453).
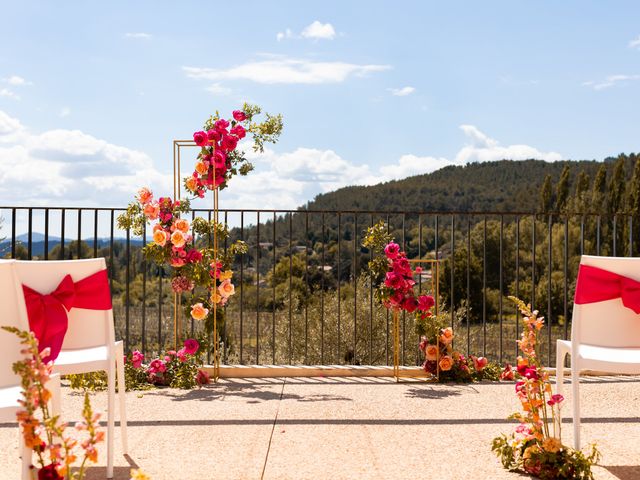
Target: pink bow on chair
(48, 312)
(597, 285)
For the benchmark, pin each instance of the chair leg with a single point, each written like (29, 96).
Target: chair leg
(122, 396)
(26, 457)
(111, 379)
(575, 385)
(561, 354)
(54, 387)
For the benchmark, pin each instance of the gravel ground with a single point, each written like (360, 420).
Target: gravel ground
(342, 428)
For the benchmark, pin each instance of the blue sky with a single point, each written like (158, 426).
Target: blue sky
(92, 94)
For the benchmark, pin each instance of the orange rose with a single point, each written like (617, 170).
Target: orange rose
(446, 363)
(157, 227)
(201, 168)
(152, 210)
(216, 297)
(160, 237)
(446, 336)
(431, 352)
(178, 239)
(144, 195)
(182, 225)
(198, 312)
(191, 183)
(226, 289)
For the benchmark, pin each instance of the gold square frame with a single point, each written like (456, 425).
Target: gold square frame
(177, 299)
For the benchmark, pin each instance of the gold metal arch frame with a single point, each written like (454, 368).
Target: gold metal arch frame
(177, 299)
(398, 371)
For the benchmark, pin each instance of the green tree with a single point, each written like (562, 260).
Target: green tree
(546, 195)
(580, 198)
(599, 189)
(633, 193)
(562, 189)
(617, 187)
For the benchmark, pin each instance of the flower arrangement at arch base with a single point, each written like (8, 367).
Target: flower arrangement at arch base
(536, 445)
(394, 287)
(197, 267)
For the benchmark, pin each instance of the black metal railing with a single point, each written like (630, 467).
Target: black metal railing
(302, 296)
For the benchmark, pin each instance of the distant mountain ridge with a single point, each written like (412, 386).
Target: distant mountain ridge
(505, 185)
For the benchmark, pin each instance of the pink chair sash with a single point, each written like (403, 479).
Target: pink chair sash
(597, 285)
(48, 312)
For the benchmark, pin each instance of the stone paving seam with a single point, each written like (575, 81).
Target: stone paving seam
(273, 428)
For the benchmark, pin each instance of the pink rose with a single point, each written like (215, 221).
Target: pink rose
(391, 250)
(410, 304)
(219, 159)
(221, 125)
(425, 302)
(200, 138)
(193, 256)
(157, 366)
(178, 262)
(479, 363)
(229, 142)
(213, 135)
(401, 265)
(136, 359)
(239, 131)
(394, 280)
(182, 355)
(555, 399)
(202, 377)
(191, 346)
(239, 116)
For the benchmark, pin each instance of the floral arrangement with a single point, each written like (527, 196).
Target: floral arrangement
(536, 445)
(448, 364)
(176, 369)
(186, 248)
(55, 449)
(391, 273)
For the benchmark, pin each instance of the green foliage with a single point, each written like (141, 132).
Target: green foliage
(546, 199)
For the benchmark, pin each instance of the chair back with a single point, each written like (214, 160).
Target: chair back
(608, 323)
(87, 328)
(13, 313)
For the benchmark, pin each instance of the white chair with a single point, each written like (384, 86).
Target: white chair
(89, 344)
(13, 314)
(605, 336)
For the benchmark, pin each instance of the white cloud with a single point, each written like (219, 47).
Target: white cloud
(611, 81)
(16, 81)
(486, 149)
(314, 31)
(286, 34)
(141, 35)
(5, 92)
(319, 30)
(401, 92)
(218, 89)
(410, 165)
(80, 169)
(64, 112)
(635, 43)
(286, 70)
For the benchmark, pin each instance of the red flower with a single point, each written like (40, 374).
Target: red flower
(200, 138)
(507, 373)
(193, 256)
(239, 116)
(202, 378)
(410, 304)
(229, 142)
(191, 346)
(239, 131)
(49, 473)
(425, 302)
(391, 250)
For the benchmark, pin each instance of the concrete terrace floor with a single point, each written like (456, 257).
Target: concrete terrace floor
(342, 428)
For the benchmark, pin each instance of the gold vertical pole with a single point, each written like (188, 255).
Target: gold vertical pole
(216, 352)
(396, 345)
